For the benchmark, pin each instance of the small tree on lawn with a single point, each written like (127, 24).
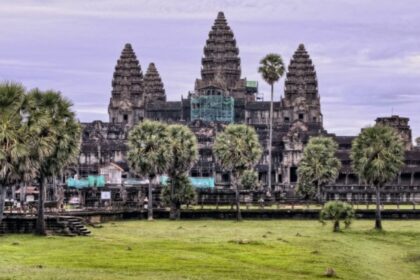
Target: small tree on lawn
(337, 211)
(184, 153)
(149, 153)
(377, 157)
(178, 191)
(318, 167)
(237, 149)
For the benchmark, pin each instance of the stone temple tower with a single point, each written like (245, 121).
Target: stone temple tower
(154, 90)
(126, 104)
(301, 101)
(221, 65)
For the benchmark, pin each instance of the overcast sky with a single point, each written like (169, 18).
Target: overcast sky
(366, 53)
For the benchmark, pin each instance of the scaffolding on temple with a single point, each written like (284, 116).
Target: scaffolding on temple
(212, 108)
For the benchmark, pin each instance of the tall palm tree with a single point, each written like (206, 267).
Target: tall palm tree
(149, 153)
(56, 141)
(377, 156)
(13, 141)
(271, 69)
(184, 153)
(237, 149)
(318, 167)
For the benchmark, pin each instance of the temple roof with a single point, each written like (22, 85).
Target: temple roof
(301, 76)
(128, 77)
(153, 85)
(221, 63)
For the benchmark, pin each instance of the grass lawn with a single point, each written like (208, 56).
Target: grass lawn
(209, 249)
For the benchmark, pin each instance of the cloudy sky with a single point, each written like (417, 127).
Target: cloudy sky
(366, 53)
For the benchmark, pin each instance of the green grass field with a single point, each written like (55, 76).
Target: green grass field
(210, 249)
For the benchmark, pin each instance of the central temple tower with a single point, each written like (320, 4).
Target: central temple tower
(221, 65)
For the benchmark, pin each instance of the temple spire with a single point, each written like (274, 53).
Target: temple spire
(301, 76)
(153, 85)
(221, 65)
(127, 89)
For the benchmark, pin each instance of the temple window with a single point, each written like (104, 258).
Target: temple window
(300, 116)
(125, 117)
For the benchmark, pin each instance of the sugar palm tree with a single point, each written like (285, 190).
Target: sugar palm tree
(56, 141)
(149, 153)
(13, 146)
(271, 69)
(184, 153)
(377, 156)
(318, 167)
(237, 149)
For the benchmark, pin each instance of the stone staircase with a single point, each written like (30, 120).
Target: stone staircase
(72, 226)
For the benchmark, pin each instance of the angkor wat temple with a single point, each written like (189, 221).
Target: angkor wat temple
(222, 96)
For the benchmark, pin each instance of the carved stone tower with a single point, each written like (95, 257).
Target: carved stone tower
(221, 65)
(301, 101)
(126, 104)
(153, 86)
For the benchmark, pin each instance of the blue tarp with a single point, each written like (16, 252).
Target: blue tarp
(91, 181)
(197, 182)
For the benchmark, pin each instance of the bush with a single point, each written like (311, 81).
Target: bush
(337, 211)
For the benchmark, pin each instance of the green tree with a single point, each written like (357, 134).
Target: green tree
(237, 149)
(271, 69)
(55, 140)
(249, 180)
(149, 153)
(184, 153)
(319, 166)
(377, 156)
(14, 149)
(337, 211)
(178, 191)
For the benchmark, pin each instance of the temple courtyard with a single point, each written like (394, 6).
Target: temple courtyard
(210, 249)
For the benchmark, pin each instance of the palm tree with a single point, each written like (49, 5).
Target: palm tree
(318, 167)
(149, 153)
(237, 149)
(178, 191)
(272, 69)
(337, 211)
(184, 154)
(55, 141)
(13, 146)
(377, 156)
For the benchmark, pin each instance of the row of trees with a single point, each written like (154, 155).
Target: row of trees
(156, 149)
(39, 136)
(377, 156)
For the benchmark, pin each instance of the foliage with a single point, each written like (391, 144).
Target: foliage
(318, 167)
(237, 149)
(337, 211)
(184, 192)
(271, 68)
(184, 153)
(149, 153)
(249, 180)
(377, 157)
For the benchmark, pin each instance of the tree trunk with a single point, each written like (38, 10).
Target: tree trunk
(40, 222)
(150, 201)
(378, 218)
(336, 226)
(178, 211)
(270, 141)
(173, 209)
(238, 206)
(3, 190)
